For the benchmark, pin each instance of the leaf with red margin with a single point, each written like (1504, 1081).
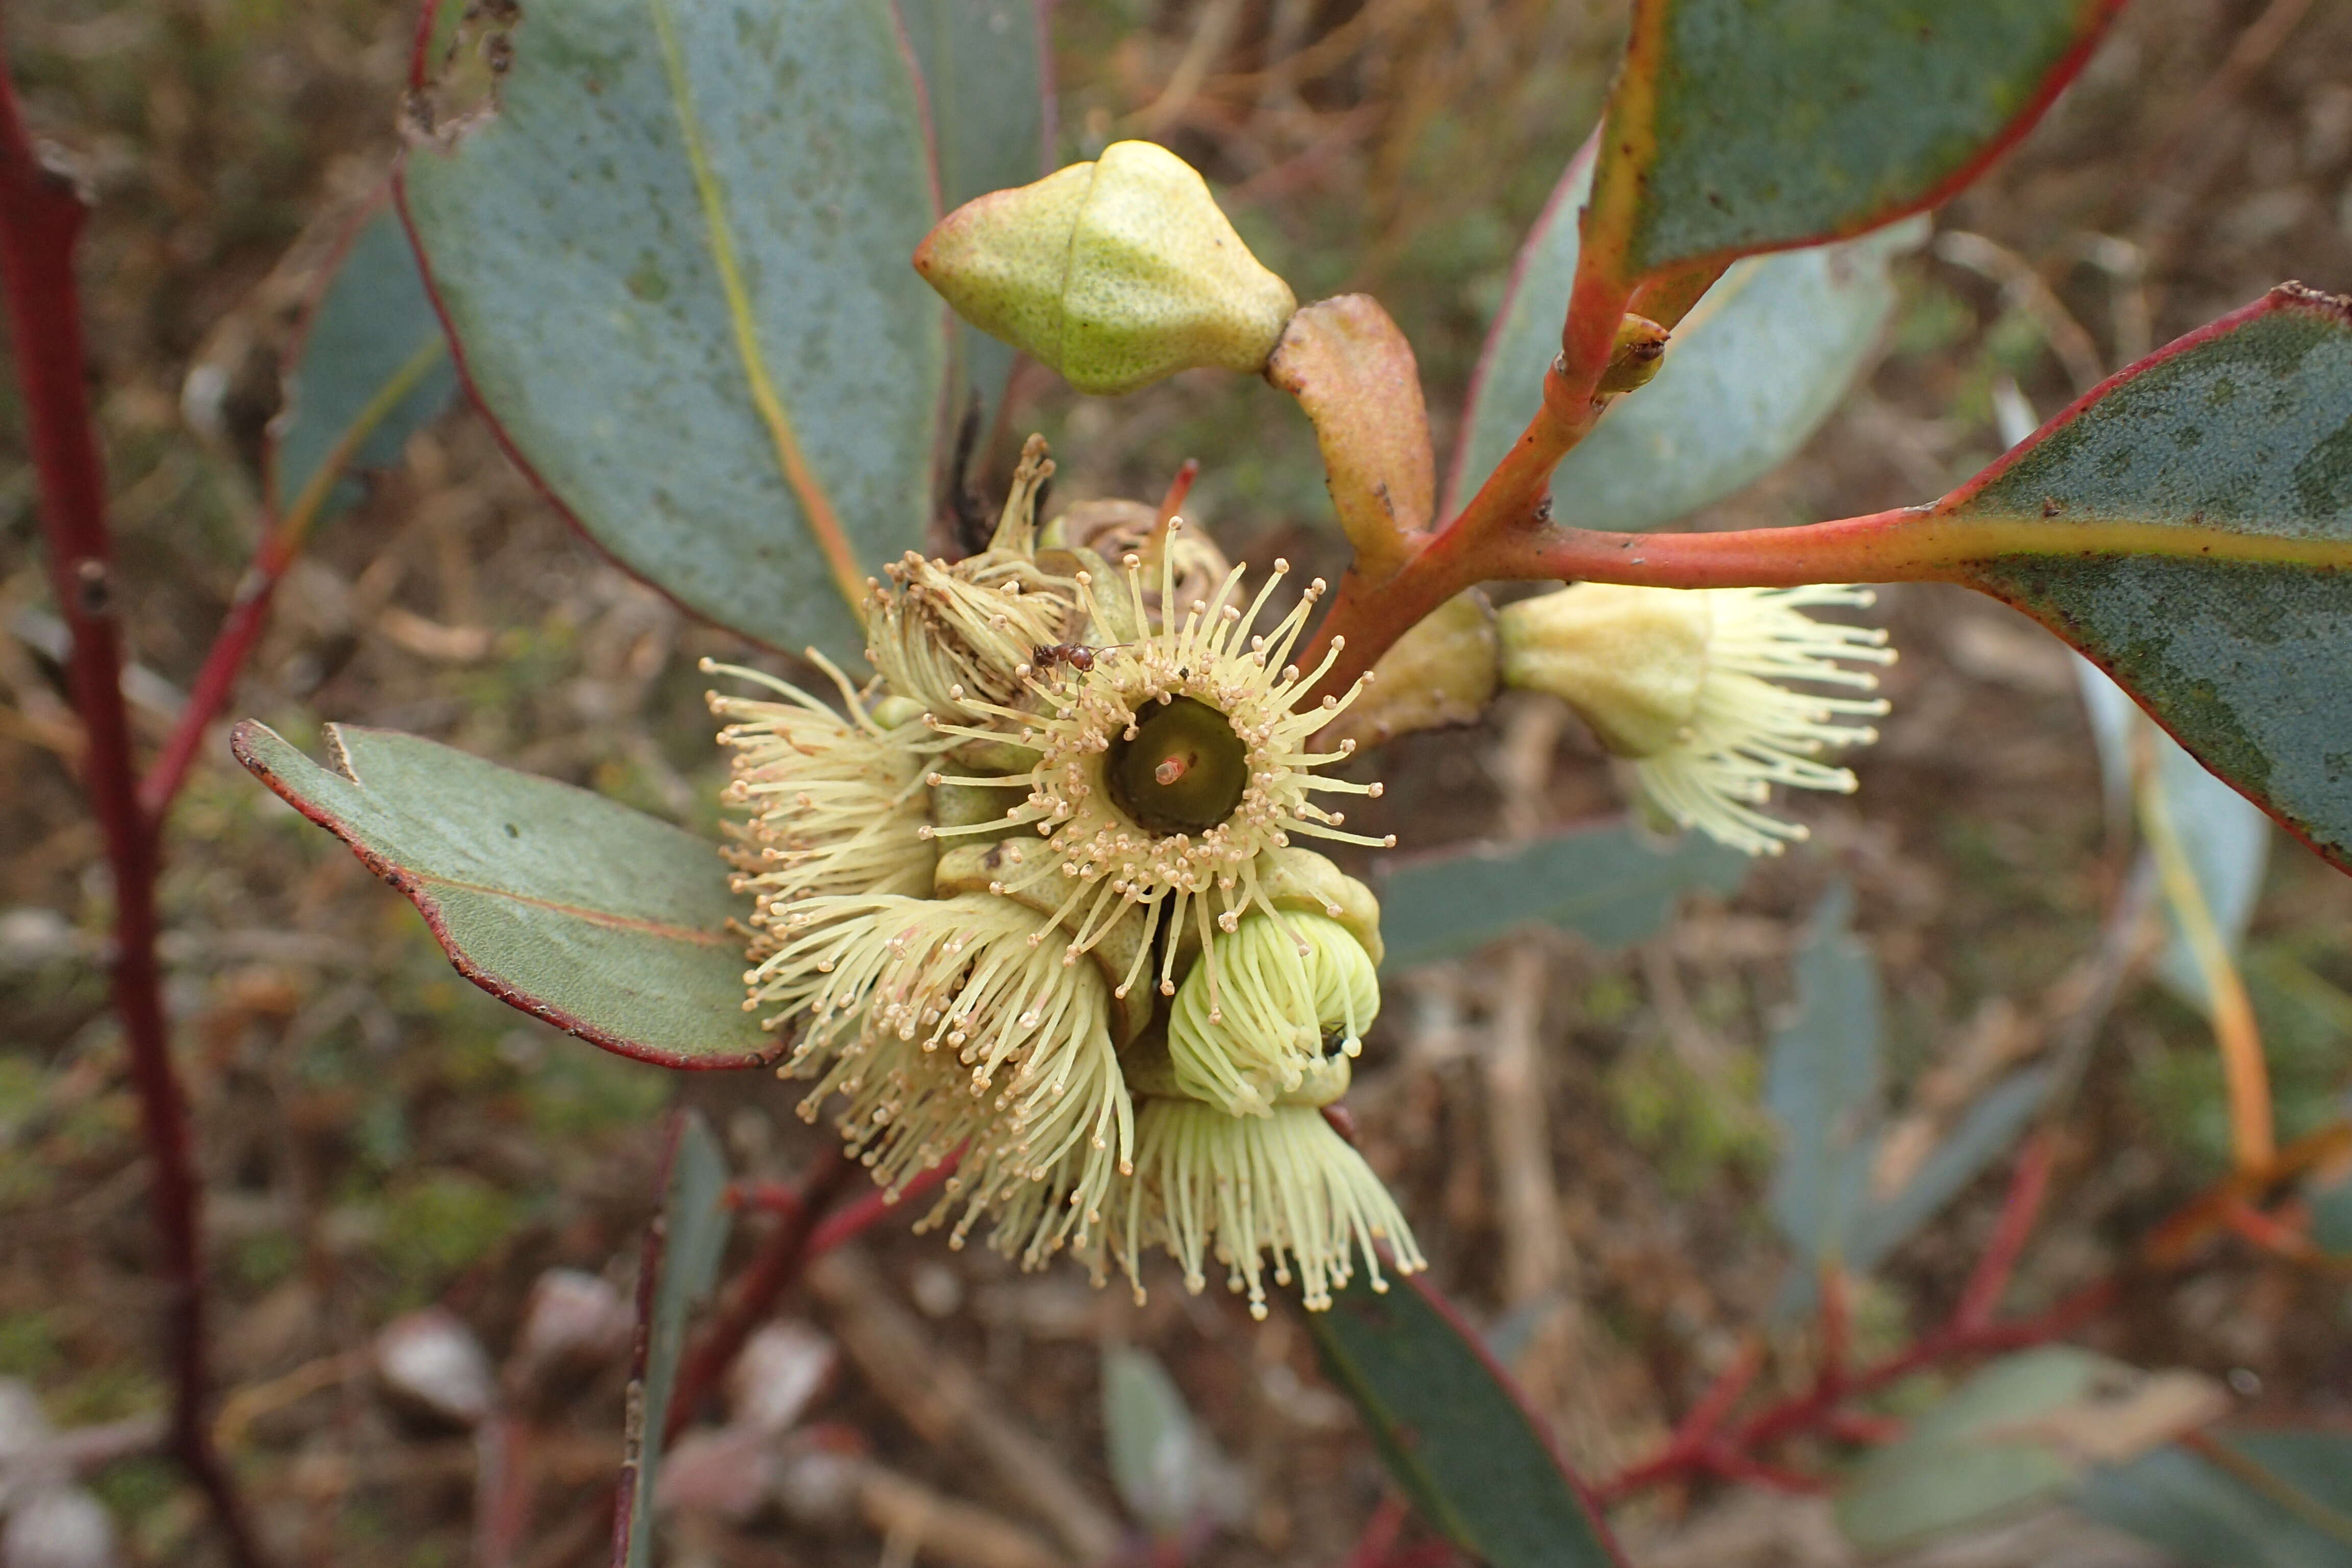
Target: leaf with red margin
(1459, 1439)
(672, 262)
(1734, 128)
(2188, 524)
(604, 921)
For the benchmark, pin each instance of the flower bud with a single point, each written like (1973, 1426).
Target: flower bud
(1635, 356)
(1285, 991)
(1115, 273)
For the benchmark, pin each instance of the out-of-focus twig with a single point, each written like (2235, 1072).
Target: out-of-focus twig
(1518, 1128)
(2022, 287)
(249, 610)
(945, 1401)
(912, 1518)
(2248, 56)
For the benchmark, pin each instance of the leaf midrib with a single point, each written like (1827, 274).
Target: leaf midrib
(698, 936)
(824, 523)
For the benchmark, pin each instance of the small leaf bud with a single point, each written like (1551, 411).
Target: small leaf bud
(1637, 355)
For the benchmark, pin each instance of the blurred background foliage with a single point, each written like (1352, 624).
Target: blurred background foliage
(380, 1135)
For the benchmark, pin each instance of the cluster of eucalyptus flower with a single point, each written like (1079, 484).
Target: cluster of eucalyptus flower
(1031, 899)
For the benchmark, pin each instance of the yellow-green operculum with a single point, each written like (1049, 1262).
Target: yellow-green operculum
(1166, 768)
(1691, 686)
(833, 803)
(1115, 273)
(1294, 989)
(950, 636)
(1210, 1185)
(943, 1024)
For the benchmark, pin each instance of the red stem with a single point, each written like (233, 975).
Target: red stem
(1837, 1324)
(40, 220)
(1380, 1537)
(2028, 1185)
(216, 678)
(878, 1206)
(1700, 1445)
(777, 1264)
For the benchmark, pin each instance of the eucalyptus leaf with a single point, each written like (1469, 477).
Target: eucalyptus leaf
(2187, 526)
(986, 86)
(607, 923)
(1612, 885)
(1992, 1126)
(690, 1240)
(1751, 372)
(2226, 835)
(1823, 1083)
(372, 370)
(1733, 128)
(1479, 1468)
(673, 258)
(1168, 1470)
(2020, 1431)
(2199, 1512)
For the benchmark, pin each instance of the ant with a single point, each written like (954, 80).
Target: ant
(1078, 656)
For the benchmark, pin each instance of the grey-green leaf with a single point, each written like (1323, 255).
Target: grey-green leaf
(674, 261)
(1751, 373)
(2226, 835)
(600, 920)
(1985, 1450)
(373, 369)
(1747, 127)
(985, 70)
(1612, 885)
(682, 1268)
(1478, 1467)
(1822, 1084)
(1168, 1470)
(1992, 1127)
(2198, 1512)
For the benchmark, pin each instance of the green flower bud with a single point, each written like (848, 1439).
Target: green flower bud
(1284, 992)
(1116, 273)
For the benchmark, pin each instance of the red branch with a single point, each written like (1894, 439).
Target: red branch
(1703, 1444)
(232, 646)
(41, 218)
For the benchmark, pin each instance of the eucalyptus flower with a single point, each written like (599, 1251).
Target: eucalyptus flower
(835, 801)
(1210, 1185)
(1692, 688)
(944, 1024)
(950, 638)
(1166, 765)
